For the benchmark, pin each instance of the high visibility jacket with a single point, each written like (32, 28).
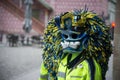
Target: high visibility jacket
(85, 70)
(43, 73)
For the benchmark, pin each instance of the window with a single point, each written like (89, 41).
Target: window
(36, 13)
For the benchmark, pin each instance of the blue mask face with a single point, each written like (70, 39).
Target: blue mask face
(74, 37)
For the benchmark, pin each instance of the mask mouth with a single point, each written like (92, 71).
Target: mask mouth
(69, 44)
(70, 47)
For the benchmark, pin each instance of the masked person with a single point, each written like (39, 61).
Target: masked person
(76, 47)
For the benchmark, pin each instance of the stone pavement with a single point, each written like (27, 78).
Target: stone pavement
(20, 63)
(30, 75)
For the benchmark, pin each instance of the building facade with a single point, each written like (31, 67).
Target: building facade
(12, 15)
(60, 6)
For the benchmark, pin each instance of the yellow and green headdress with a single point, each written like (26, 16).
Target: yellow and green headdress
(76, 31)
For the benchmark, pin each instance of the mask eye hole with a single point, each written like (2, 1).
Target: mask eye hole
(78, 29)
(65, 36)
(74, 36)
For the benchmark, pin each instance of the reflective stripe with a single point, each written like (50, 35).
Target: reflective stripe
(76, 76)
(61, 74)
(44, 76)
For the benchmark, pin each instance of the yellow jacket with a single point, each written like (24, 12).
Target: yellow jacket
(85, 70)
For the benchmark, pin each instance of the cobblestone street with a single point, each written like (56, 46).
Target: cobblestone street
(19, 63)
